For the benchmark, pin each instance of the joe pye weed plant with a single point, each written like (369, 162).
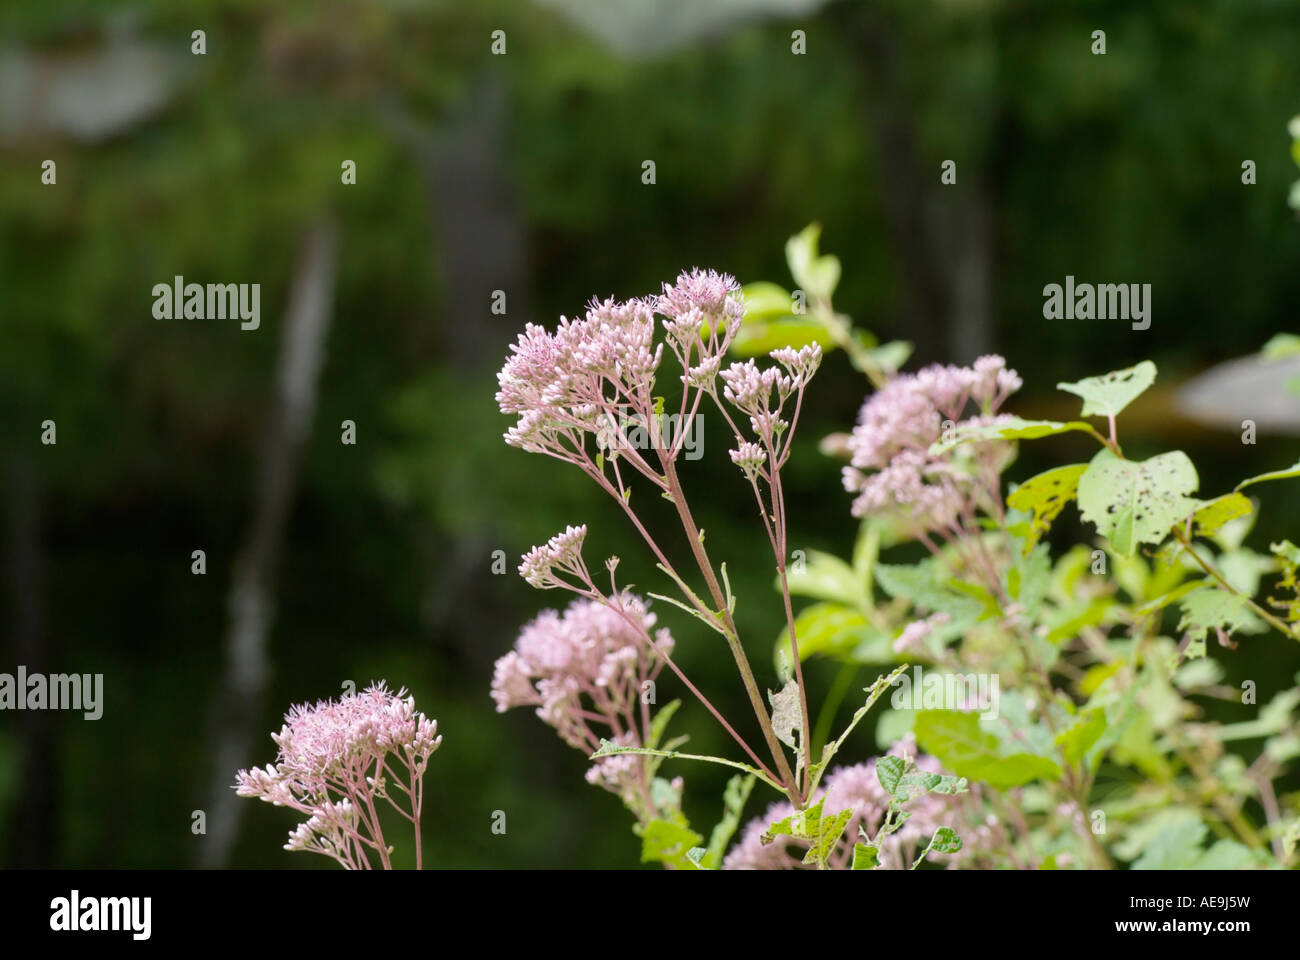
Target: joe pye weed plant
(1098, 753)
(340, 762)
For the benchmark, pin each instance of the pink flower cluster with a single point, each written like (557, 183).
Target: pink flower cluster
(855, 788)
(892, 470)
(585, 671)
(336, 759)
(595, 372)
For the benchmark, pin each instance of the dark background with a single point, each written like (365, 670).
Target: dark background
(522, 173)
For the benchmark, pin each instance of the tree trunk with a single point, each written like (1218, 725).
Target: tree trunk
(240, 702)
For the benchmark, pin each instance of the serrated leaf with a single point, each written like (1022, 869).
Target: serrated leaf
(1213, 608)
(1108, 394)
(668, 842)
(1078, 739)
(956, 741)
(925, 584)
(1176, 847)
(1133, 502)
(1045, 496)
(822, 832)
(733, 805)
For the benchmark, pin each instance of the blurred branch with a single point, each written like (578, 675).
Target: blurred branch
(239, 705)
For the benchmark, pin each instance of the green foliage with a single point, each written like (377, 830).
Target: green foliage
(957, 741)
(1178, 847)
(816, 273)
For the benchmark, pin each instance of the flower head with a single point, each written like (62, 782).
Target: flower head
(336, 750)
(892, 469)
(584, 671)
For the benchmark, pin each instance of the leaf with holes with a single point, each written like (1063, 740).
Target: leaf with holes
(1133, 502)
(1108, 394)
(1045, 496)
(1213, 608)
(1213, 514)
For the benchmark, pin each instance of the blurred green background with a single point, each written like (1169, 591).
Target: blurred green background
(522, 172)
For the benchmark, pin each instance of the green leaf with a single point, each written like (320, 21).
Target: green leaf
(821, 832)
(761, 337)
(1227, 855)
(1213, 514)
(669, 843)
(926, 585)
(660, 723)
(1014, 428)
(1045, 496)
(891, 356)
(733, 805)
(956, 741)
(889, 771)
(1178, 847)
(1213, 608)
(766, 301)
(989, 606)
(831, 629)
(1108, 394)
(866, 856)
(945, 840)
(1078, 739)
(1133, 502)
(816, 274)
(825, 576)
(1291, 471)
